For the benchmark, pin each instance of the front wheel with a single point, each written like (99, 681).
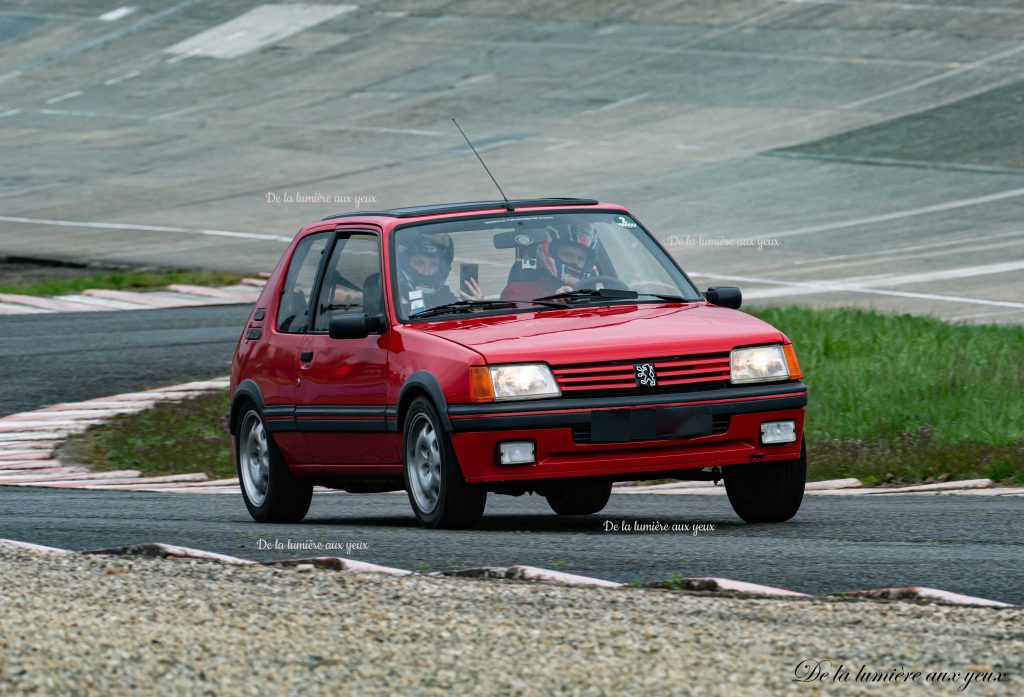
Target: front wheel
(271, 492)
(580, 499)
(438, 492)
(769, 492)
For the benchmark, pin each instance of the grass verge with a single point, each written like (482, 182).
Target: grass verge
(893, 399)
(118, 280)
(170, 438)
(899, 399)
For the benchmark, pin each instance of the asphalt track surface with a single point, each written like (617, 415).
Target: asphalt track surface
(51, 358)
(963, 544)
(877, 142)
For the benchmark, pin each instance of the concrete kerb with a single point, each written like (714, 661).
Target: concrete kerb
(519, 573)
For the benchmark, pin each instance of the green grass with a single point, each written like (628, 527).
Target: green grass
(117, 280)
(897, 398)
(893, 399)
(170, 438)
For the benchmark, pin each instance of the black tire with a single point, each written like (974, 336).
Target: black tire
(438, 492)
(286, 498)
(770, 492)
(580, 499)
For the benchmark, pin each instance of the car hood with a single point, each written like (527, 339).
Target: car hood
(605, 333)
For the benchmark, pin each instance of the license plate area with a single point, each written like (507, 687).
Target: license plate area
(662, 423)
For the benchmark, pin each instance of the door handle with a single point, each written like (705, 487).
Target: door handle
(306, 356)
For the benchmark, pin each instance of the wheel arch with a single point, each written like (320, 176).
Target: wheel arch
(246, 390)
(422, 383)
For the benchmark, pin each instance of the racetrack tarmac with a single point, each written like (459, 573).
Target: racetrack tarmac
(53, 358)
(961, 544)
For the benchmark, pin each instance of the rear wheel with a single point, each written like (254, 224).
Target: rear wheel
(271, 492)
(769, 492)
(580, 499)
(438, 493)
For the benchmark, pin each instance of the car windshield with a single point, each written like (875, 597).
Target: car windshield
(522, 258)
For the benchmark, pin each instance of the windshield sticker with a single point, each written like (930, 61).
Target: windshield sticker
(416, 303)
(516, 220)
(623, 221)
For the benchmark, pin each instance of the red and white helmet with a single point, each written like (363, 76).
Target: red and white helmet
(584, 237)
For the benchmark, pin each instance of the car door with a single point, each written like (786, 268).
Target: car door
(277, 355)
(343, 381)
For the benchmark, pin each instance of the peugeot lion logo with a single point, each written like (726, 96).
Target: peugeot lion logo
(645, 376)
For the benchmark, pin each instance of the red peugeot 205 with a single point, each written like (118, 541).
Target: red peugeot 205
(549, 346)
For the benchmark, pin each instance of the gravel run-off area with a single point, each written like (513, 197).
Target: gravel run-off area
(73, 624)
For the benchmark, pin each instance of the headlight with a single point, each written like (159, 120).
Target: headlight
(505, 382)
(758, 364)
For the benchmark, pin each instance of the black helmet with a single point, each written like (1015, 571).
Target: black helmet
(438, 246)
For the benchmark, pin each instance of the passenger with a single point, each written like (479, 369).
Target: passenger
(424, 262)
(568, 257)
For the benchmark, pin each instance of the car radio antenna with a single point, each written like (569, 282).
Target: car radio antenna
(508, 204)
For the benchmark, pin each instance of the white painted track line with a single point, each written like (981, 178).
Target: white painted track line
(835, 287)
(107, 300)
(144, 228)
(898, 215)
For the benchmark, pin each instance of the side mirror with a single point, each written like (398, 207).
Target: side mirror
(355, 325)
(724, 296)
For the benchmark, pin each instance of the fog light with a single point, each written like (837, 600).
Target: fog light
(516, 452)
(778, 432)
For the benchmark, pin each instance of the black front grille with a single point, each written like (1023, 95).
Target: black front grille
(719, 425)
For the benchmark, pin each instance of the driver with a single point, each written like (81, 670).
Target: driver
(568, 257)
(424, 262)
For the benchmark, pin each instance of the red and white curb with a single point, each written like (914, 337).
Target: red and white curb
(714, 586)
(833, 487)
(99, 300)
(28, 441)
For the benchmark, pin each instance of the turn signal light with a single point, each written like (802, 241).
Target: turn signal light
(481, 389)
(794, 366)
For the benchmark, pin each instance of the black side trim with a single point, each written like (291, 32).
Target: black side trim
(340, 411)
(341, 425)
(628, 400)
(583, 418)
(280, 418)
(426, 381)
(280, 425)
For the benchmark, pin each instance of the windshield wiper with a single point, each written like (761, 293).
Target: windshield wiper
(666, 298)
(592, 294)
(464, 306)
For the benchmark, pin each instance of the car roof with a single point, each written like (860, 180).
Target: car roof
(466, 207)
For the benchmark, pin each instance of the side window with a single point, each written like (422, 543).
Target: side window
(352, 280)
(292, 311)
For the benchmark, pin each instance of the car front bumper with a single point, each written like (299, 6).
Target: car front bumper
(629, 436)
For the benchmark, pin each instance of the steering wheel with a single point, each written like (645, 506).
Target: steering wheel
(611, 282)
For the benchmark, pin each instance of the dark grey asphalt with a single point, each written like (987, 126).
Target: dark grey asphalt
(963, 544)
(52, 358)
